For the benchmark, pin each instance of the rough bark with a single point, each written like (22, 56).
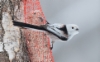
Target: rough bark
(23, 45)
(12, 43)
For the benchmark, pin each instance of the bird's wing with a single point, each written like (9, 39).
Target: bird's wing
(56, 31)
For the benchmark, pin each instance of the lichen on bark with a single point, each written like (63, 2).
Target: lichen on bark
(12, 38)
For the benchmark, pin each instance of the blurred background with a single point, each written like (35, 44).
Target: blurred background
(84, 47)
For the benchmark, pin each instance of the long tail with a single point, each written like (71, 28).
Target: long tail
(21, 24)
(45, 28)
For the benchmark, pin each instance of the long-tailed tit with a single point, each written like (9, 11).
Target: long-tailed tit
(55, 31)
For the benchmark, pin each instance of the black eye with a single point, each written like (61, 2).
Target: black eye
(72, 27)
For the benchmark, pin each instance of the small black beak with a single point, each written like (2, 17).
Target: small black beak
(77, 29)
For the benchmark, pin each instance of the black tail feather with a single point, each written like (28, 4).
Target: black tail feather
(21, 24)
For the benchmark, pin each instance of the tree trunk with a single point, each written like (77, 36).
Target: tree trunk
(23, 45)
(12, 43)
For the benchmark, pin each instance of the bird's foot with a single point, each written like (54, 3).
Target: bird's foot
(51, 48)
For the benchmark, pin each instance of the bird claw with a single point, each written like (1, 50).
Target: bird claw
(51, 48)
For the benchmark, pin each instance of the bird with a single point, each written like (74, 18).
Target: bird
(56, 31)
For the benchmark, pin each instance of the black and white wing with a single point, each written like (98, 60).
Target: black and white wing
(58, 30)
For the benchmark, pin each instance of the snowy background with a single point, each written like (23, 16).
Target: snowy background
(84, 47)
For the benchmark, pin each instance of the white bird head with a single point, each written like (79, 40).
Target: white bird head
(72, 30)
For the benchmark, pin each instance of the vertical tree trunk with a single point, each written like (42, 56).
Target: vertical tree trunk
(37, 42)
(22, 45)
(12, 43)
